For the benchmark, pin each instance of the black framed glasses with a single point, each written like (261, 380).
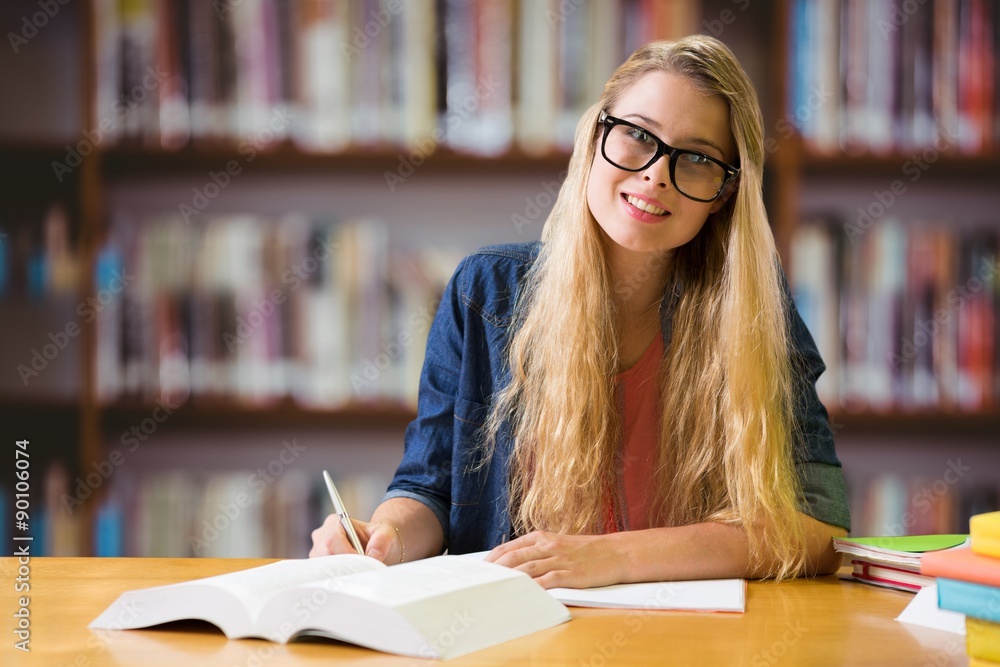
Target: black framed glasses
(634, 148)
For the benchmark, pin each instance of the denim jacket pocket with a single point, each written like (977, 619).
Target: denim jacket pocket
(469, 474)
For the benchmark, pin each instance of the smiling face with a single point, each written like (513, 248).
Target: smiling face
(642, 212)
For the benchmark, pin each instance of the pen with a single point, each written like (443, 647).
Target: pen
(341, 511)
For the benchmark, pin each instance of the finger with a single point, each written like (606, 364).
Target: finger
(519, 557)
(320, 537)
(330, 538)
(554, 579)
(382, 543)
(507, 547)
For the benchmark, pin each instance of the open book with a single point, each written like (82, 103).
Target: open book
(435, 608)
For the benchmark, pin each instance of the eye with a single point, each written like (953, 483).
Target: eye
(640, 135)
(697, 159)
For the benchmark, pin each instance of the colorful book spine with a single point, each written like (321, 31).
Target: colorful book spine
(985, 532)
(976, 600)
(982, 639)
(911, 321)
(899, 85)
(964, 565)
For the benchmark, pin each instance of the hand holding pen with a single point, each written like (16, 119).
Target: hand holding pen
(341, 534)
(341, 512)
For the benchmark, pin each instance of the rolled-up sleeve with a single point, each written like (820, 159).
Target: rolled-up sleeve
(424, 474)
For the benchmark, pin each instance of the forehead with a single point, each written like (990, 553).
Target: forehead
(677, 109)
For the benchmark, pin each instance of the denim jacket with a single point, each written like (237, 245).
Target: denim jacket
(465, 364)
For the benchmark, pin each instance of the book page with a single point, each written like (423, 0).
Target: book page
(403, 584)
(255, 586)
(701, 595)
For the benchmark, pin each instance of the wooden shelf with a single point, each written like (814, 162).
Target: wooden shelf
(131, 160)
(929, 422)
(14, 404)
(950, 165)
(222, 414)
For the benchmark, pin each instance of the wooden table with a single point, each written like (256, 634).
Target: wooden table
(808, 622)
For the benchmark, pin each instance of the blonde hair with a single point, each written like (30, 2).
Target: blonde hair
(725, 444)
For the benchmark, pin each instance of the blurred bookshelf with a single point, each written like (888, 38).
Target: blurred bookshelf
(308, 118)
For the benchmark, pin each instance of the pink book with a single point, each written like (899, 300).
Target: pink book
(963, 565)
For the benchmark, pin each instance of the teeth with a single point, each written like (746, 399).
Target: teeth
(644, 206)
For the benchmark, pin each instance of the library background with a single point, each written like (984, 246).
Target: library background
(225, 226)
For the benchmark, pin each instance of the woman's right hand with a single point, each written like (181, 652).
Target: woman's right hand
(379, 540)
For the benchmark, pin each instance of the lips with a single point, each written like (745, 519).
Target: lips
(644, 209)
(644, 205)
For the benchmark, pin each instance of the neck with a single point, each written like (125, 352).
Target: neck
(637, 281)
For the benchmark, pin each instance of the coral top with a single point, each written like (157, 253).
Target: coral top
(639, 394)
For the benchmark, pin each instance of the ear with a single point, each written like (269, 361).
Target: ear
(724, 196)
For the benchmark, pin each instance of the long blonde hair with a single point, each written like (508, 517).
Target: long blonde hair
(725, 444)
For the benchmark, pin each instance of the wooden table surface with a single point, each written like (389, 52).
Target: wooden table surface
(817, 622)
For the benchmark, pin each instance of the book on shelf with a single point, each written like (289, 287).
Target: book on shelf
(904, 312)
(874, 84)
(439, 607)
(476, 75)
(256, 310)
(894, 562)
(268, 512)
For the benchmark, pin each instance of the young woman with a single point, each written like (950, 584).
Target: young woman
(633, 398)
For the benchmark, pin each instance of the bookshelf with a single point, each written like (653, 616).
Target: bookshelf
(457, 194)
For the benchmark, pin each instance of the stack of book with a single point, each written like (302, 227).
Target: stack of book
(968, 582)
(895, 562)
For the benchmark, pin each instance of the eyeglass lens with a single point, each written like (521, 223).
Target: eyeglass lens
(693, 175)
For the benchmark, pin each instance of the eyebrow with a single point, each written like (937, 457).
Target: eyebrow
(686, 140)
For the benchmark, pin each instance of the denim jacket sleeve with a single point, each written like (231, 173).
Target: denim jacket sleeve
(424, 472)
(464, 365)
(820, 474)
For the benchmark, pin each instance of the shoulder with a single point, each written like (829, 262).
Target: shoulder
(488, 280)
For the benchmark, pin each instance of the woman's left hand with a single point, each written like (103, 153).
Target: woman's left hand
(564, 561)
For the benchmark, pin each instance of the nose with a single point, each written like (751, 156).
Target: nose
(658, 172)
